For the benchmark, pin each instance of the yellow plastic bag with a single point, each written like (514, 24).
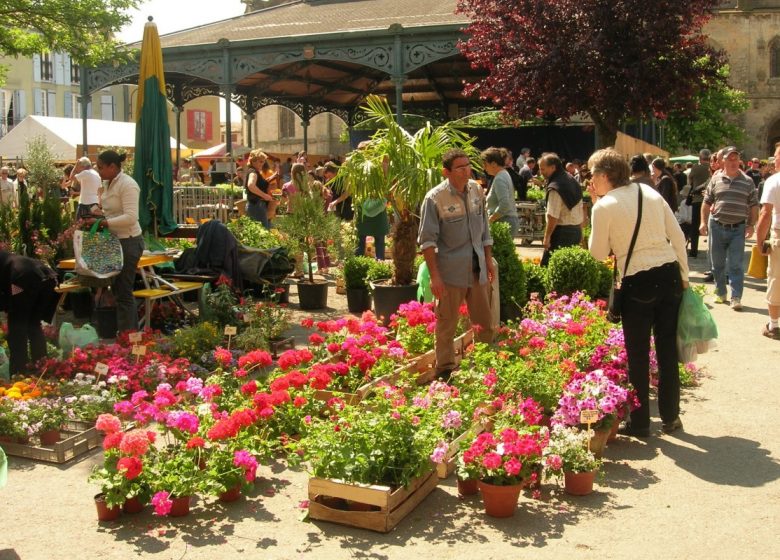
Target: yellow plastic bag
(758, 263)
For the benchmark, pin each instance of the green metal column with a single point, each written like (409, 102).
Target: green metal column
(227, 91)
(84, 105)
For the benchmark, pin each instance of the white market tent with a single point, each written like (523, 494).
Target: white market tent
(64, 136)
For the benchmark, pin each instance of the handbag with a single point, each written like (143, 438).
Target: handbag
(98, 253)
(615, 304)
(758, 263)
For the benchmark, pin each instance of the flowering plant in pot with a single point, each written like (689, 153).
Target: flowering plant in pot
(229, 469)
(591, 391)
(567, 453)
(124, 474)
(264, 322)
(503, 462)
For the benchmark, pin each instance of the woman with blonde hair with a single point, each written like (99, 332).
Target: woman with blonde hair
(632, 221)
(298, 184)
(258, 197)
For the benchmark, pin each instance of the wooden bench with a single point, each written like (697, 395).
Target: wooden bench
(64, 289)
(163, 291)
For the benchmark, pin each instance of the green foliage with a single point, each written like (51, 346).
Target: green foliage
(512, 282)
(40, 163)
(536, 279)
(82, 28)
(401, 167)
(573, 269)
(192, 342)
(713, 123)
(356, 271)
(379, 270)
(265, 321)
(605, 280)
(308, 225)
(252, 234)
(535, 194)
(221, 306)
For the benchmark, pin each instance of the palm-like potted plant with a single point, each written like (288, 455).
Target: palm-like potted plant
(308, 225)
(401, 167)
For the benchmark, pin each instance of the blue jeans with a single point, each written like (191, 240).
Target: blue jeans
(727, 253)
(258, 211)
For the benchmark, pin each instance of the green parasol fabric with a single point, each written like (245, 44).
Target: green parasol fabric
(153, 168)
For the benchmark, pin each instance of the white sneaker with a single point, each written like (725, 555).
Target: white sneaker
(736, 304)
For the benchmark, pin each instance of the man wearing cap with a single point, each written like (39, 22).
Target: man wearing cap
(729, 213)
(768, 238)
(697, 180)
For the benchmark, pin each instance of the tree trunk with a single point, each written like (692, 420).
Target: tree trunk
(405, 248)
(606, 130)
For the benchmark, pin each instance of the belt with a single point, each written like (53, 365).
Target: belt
(730, 226)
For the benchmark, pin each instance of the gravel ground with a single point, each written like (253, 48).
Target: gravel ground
(711, 491)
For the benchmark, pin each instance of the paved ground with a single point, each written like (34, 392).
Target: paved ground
(710, 492)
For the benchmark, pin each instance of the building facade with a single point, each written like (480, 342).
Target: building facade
(749, 32)
(48, 84)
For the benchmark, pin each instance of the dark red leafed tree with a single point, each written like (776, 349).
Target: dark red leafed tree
(611, 59)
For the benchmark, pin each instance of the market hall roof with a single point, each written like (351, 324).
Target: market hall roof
(316, 56)
(302, 18)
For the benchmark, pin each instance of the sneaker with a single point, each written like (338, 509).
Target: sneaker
(771, 333)
(709, 277)
(673, 426)
(720, 299)
(736, 304)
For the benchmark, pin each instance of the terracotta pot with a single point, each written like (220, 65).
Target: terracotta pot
(180, 507)
(598, 442)
(133, 505)
(230, 495)
(467, 487)
(104, 512)
(49, 437)
(613, 432)
(578, 484)
(500, 501)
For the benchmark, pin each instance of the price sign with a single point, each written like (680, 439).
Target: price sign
(139, 350)
(101, 369)
(136, 337)
(231, 330)
(589, 416)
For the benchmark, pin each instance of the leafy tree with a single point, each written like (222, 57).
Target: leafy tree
(81, 28)
(612, 60)
(712, 125)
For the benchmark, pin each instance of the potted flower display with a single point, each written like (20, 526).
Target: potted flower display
(504, 462)
(228, 471)
(400, 167)
(567, 452)
(355, 280)
(307, 226)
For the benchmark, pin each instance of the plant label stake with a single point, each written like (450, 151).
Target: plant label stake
(230, 331)
(101, 369)
(139, 350)
(135, 337)
(589, 417)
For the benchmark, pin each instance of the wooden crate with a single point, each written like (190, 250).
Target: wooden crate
(393, 505)
(78, 438)
(352, 398)
(424, 365)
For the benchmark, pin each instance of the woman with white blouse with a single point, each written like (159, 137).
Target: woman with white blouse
(652, 285)
(119, 213)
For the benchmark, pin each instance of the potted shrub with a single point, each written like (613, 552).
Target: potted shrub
(308, 225)
(401, 167)
(511, 274)
(573, 269)
(356, 281)
(567, 452)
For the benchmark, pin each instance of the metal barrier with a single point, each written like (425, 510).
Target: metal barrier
(195, 204)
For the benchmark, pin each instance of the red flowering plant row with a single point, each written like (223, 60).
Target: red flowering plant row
(213, 432)
(414, 325)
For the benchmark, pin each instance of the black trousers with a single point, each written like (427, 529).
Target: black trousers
(651, 302)
(562, 236)
(25, 335)
(695, 223)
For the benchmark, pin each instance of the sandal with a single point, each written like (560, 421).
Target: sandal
(771, 333)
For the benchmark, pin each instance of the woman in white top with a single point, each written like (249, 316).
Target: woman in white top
(120, 215)
(652, 285)
(90, 182)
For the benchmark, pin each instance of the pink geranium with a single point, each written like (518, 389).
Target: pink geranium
(108, 423)
(162, 503)
(508, 458)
